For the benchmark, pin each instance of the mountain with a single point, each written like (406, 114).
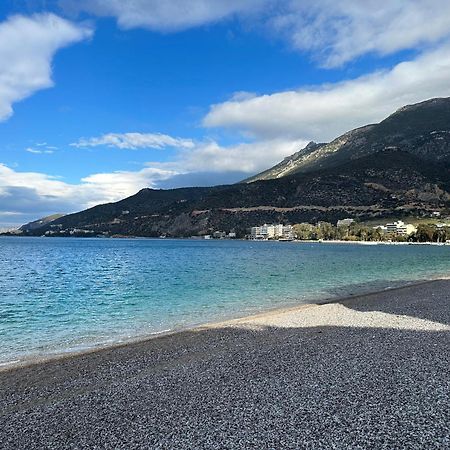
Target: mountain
(399, 167)
(37, 224)
(422, 130)
(289, 165)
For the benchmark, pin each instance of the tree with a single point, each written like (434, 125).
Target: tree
(375, 234)
(441, 234)
(342, 232)
(424, 233)
(326, 231)
(304, 231)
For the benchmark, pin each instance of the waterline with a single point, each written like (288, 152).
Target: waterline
(68, 295)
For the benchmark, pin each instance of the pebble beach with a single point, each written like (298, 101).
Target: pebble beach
(365, 372)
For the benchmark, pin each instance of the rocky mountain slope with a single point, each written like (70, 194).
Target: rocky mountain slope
(422, 130)
(396, 168)
(36, 224)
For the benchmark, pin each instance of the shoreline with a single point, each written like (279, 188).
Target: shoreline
(201, 238)
(370, 371)
(61, 356)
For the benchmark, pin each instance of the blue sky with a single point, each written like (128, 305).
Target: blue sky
(101, 98)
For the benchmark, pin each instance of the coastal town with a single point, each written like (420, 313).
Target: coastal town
(348, 230)
(434, 229)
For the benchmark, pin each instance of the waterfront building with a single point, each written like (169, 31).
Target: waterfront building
(274, 231)
(288, 233)
(259, 233)
(400, 228)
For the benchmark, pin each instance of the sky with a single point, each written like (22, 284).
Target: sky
(101, 98)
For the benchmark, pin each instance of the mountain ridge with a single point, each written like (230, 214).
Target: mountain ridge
(398, 167)
(420, 136)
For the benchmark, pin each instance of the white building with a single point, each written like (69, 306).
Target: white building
(400, 228)
(261, 232)
(277, 231)
(288, 232)
(345, 222)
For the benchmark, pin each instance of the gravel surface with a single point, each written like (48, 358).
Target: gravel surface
(369, 372)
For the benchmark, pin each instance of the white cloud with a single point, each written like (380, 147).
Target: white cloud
(247, 158)
(327, 111)
(280, 123)
(166, 15)
(335, 32)
(30, 195)
(27, 46)
(339, 31)
(198, 156)
(207, 155)
(134, 141)
(39, 151)
(27, 196)
(120, 184)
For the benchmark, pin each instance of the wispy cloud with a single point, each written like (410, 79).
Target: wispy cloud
(134, 141)
(165, 15)
(334, 32)
(27, 47)
(39, 151)
(203, 155)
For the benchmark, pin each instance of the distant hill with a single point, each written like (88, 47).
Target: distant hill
(399, 167)
(36, 224)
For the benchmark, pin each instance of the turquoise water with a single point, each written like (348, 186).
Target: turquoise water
(67, 294)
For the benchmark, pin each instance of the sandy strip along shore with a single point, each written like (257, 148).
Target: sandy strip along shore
(367, 372)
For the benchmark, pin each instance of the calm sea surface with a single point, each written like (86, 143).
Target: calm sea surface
(67, 294)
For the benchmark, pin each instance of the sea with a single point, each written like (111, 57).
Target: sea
(65, 295)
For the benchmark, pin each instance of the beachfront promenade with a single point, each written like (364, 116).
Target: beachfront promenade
(368, 372)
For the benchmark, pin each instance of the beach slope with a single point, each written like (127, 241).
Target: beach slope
(366, 372)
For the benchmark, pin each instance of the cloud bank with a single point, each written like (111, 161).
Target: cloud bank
(324, 112)
(26, 196)
(250, 157)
